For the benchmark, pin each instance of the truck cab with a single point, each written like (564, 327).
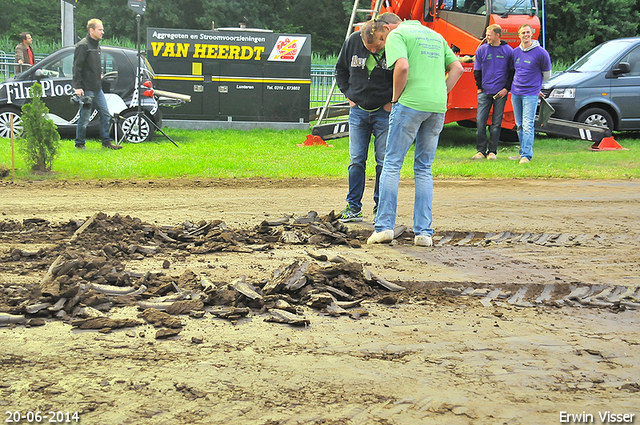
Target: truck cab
(462, 23)
(456, 20)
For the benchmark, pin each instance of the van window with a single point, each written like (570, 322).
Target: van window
(633, 59)
(599, 57)
(479, 7)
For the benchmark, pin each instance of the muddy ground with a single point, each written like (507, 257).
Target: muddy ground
(525, 307)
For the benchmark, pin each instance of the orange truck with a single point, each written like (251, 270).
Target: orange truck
(463, 23)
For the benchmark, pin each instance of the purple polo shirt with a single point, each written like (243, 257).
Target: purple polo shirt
(495, 64)
(529, 67)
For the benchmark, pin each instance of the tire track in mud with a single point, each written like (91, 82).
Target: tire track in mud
(496, 277)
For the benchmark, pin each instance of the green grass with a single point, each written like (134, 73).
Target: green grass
(273, 154)
(552, 158)
(317, 59)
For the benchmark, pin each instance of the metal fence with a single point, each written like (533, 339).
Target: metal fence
(8, 63)
(321, 80)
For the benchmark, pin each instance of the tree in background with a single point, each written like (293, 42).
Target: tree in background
(119, 21)
(325, 20)
(575, 27)
(40, 18)
(40, 139)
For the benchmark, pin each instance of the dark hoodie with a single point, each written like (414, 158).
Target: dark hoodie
(369, 91)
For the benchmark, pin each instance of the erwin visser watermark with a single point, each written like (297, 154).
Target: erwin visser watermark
(605, 417)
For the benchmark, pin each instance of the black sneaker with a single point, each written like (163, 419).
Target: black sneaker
(110, 145)
(81, 147)
(350, 214)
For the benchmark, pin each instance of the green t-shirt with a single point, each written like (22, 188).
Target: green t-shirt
(428, 56)
(372, 60)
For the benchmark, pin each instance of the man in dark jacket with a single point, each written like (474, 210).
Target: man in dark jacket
(24, 53)
(87, 83)
(367, 83)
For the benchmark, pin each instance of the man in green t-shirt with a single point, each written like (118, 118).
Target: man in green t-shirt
(425, 70)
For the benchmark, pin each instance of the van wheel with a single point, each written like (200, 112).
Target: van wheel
(138, 130)
(596, 116)
(5, 123)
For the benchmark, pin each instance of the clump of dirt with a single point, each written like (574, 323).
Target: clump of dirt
(4, 171)
(85, 275)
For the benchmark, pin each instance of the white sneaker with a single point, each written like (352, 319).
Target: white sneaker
(423, 240)
(380, 237)
(524, 160)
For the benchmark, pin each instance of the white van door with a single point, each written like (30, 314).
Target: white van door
(625, 92)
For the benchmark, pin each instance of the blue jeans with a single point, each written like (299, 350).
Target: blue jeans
(362, 124)
(524, 113)
(485, 101)
(405, 126)
(100, 104)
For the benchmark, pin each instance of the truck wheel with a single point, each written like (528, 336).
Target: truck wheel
(596, 116)
(139, 130)
(5, 123)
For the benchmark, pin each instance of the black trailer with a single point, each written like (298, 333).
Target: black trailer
(237, 78)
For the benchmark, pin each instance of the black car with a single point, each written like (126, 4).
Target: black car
(55, 74)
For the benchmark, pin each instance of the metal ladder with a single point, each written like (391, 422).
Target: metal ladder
(352, 24)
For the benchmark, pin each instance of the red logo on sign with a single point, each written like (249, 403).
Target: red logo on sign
(287, 49)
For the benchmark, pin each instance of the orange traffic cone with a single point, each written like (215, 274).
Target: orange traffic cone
(313, 140)
(607, 144)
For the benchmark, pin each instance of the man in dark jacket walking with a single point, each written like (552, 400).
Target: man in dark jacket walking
(87, 83)
(367, 83)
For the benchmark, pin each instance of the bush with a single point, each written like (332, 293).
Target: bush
(40, 139)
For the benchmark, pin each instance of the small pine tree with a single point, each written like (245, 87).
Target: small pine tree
(40, 138)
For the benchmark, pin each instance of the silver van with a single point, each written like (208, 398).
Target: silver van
(602, 88)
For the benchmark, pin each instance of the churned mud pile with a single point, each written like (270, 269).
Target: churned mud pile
(86, 274)
(525, 308)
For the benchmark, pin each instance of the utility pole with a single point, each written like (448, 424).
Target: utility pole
(67, 21)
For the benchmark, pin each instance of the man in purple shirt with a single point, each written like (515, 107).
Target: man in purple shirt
(532, 67)
(493, 72)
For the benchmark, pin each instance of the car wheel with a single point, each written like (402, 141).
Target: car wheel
(5, 123)
(596, 116)
(137, 130)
